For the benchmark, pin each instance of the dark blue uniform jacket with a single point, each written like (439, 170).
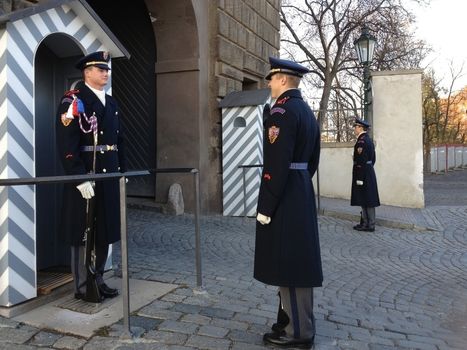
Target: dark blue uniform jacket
(287, 251)
(364, 158)
(70, 139)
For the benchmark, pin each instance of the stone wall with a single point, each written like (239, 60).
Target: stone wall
(248, 33)
(243, 34)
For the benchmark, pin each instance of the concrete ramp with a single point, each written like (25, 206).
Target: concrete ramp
(55, 316)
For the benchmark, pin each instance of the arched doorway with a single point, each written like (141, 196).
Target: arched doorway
(54, 74)
(134, 85)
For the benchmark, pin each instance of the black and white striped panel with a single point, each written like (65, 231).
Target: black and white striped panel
(241, 146)
(19, 41)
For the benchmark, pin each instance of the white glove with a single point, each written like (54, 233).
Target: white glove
(359, 183)
(263, 219)
(86, 189)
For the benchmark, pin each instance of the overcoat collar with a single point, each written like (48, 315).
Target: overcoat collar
(290, 93)
(93, 104)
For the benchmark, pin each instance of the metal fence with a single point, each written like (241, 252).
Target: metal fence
(448, 157)
(123, 225)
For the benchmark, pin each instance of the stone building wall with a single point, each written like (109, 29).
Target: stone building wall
(248, 33)
(243, 34)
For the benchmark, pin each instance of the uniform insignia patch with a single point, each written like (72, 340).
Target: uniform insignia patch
(267, 176)
(278, 110)
(282, 100)
(359, 150)
(273, 133)
(65, 121)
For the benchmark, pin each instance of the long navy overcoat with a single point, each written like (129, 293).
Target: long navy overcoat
(364, 158)
(70, 140)
(287, 251)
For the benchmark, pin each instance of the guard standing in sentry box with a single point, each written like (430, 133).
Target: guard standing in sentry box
(90, 140)
(287, 252)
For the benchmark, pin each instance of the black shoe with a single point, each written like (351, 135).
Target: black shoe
(80, 296)
(359, 227)
(107, 292)
(276, 328)
(368, 229)
(287, 342)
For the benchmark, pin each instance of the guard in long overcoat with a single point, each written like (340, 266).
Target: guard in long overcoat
(364, 185)
(75, 147)
(287, 252)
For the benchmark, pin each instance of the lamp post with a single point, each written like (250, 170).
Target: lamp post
(365, 46)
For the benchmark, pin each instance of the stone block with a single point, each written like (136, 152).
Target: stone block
(175, 204)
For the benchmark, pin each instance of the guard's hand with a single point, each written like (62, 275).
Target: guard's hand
(359, 183)
(263, 219)
(86, 189)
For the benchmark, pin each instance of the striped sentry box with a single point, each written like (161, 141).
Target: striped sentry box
(242, 145)
(19, 40)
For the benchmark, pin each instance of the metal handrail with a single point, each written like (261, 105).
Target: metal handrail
(126, 334)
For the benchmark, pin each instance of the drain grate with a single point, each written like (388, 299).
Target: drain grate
(84, 307)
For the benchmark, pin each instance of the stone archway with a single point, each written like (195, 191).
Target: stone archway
(181, 80)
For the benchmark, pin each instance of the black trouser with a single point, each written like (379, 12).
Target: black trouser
(78, 268)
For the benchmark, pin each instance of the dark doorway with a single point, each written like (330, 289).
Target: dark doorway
(134, 85)
(54, 74)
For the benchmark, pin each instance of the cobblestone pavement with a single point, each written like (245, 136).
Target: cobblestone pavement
(392, 289)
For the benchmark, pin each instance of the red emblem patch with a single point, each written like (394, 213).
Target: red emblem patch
(273, 133)
(267, 177)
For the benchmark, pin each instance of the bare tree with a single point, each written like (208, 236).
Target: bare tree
(320, 33)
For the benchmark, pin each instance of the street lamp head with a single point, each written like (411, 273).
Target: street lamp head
(365, 46)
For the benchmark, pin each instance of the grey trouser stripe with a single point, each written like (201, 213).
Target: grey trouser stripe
(298, 304)
(369, 216)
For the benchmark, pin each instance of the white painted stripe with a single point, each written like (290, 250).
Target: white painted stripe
(4, 278)
(236, 200)
(27, 193)
(227, 135)
(20, 155)
(21, 220)
(231, 163)
(25, 34)
(241, 143)
(21, 124)
(40, 24)
(56, 19)
(227, 115)
(15, 84)
(232, 168)
(236, 176)
(74, 26)
(3, 40)
(19, 57)
(28, 258)
(88, 39)
(21, 285)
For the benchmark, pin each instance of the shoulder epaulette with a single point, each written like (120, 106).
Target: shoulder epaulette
(71, 92)
(282, 100)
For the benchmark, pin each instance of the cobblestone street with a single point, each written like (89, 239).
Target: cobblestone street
(392, 289)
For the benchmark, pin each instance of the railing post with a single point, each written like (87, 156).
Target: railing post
(244, 193)
(124, 251)
(199, 279)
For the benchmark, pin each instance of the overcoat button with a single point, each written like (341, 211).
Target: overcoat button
(104, 170)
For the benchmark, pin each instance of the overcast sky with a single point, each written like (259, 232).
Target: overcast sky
(444, 26)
